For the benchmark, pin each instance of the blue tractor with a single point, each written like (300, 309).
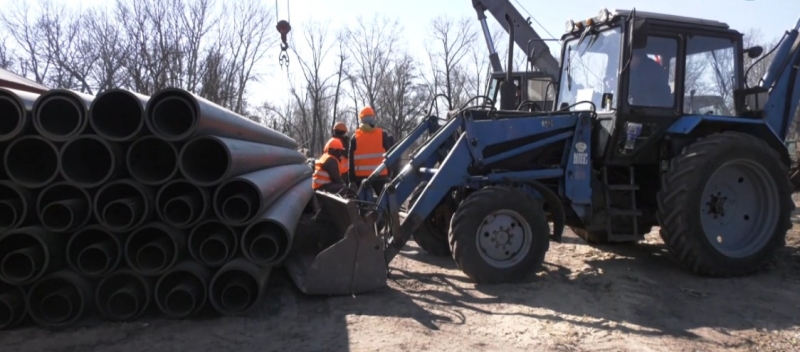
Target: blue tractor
(622, 148)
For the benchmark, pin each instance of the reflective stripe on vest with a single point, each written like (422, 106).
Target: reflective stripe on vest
(369, 152)
(320, 177)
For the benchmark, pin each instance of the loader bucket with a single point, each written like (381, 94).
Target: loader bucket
(336, 251)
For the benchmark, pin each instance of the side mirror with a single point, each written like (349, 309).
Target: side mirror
(754, 52)
(606, 100)
(639, 33)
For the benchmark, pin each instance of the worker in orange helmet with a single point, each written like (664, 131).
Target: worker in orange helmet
(339, 132)
(326, 175)
(367, 148)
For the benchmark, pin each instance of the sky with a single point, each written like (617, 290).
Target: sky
(772, 17)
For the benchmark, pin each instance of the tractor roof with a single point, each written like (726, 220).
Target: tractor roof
(671, 18)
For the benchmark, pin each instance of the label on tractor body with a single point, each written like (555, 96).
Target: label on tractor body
(580, 158)
(633, 130)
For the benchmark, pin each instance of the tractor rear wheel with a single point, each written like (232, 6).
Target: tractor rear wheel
(499, 234)
(725, 204)
(431, 235)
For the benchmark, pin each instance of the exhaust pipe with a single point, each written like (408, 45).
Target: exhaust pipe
(210, 160)
(182, 291)
(181, 204)
(61, 114)
(15, 107)
(60, 299)
(176, 114)
(122, 205)
(154, 248)
(63, 207)
(267, 240)
(89, 161)
(238, 287)
(12, 305)
(28, 253)
(94, 251)
(123, 296)
(118, 114)
(15, 203)
(212, 243)
(242, 198)
(18, 158)
(152, 160)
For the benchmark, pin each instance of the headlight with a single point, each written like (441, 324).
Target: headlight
(570, 26)
(604, 16)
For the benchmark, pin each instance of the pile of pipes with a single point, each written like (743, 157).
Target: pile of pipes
(120, 201)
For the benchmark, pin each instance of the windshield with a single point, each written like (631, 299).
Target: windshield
(590, 69)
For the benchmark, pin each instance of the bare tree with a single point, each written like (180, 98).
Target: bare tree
(450, 45)
(372, 45)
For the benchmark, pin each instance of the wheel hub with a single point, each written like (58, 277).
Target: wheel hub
(738, 208)
(503, 238)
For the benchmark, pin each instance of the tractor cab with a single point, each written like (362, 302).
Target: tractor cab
(535, 90)
(641, 72)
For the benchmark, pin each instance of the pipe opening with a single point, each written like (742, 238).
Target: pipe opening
(56, 307)
(12, 116)
(8, 213)
(117, 115)
(205, 160)
(173, 116)
(93, 260)
(87, 161)
(151, 257)
(237, 209)
(264, 248)
(178, 211)
(18, 266)
(118, 214)
(152, 160)
(57, 216)
(60, 116)
(20, 167)
(213, 251)
(122, 305)
(180, 302)
(235, 297)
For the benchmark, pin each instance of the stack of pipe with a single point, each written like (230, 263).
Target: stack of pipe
(120, 201)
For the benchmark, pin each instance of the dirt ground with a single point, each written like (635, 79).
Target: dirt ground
(613, 298)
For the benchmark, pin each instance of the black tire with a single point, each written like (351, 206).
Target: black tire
(684, 201)
(474, 212)
(431, 235)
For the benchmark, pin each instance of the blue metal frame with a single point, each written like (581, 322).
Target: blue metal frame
(467, 152)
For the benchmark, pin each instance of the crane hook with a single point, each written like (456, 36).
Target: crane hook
(283, 28)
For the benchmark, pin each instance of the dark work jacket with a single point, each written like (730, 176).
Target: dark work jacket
(332, 168)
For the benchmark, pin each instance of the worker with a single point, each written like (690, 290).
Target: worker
(649, 82)
(339, 132)
(326, 175)
(366, 152)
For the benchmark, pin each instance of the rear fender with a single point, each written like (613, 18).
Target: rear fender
(689, 128)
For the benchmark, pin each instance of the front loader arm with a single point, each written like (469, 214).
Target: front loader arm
(783, 83)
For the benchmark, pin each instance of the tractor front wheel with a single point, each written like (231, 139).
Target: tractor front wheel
(725, 204)
(499, 234)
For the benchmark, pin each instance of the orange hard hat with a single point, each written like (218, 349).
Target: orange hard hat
(366, 111)
(333, 143)
(340, 126)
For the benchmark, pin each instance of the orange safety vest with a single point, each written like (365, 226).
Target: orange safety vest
(369, 152)
(320, 176)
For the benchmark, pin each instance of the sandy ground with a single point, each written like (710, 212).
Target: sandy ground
(614, 298)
